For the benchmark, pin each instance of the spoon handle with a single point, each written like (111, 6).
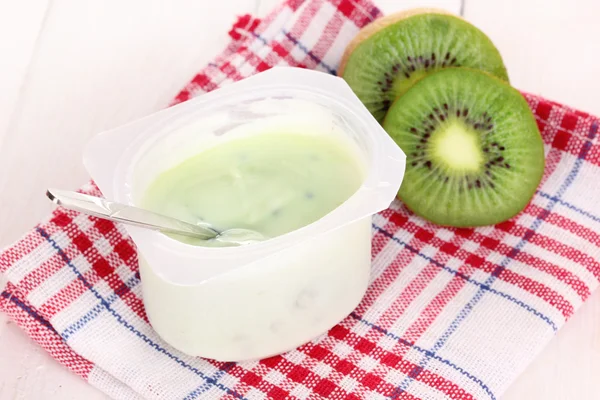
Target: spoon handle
(126, 214)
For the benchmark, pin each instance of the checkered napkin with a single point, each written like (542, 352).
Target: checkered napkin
(450, 313)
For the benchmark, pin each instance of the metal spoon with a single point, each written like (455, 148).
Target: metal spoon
(126, 214)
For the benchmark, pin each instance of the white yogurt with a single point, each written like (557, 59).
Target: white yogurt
(268, 307)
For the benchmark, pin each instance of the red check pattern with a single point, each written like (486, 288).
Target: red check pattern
(450, 313)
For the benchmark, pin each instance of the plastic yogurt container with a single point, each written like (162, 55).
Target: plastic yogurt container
(253, 301)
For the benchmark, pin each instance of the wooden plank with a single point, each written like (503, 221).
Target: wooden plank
(549, 47)
(22, 20)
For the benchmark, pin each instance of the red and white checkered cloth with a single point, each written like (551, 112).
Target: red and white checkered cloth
(450, 313)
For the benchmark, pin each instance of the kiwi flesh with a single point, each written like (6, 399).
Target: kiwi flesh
(389, 55)
(474, 153)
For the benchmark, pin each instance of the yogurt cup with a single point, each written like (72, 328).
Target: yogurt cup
(255, 301)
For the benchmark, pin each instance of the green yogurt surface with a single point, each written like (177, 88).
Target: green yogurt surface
(270, 183)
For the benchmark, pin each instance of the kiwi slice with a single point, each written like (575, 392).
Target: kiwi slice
(389, 55)
(474, 153)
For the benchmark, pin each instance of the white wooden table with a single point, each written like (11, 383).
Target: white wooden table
(69, 69)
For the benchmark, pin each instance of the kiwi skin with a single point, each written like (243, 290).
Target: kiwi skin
(514, 126)
(372, 28)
